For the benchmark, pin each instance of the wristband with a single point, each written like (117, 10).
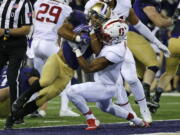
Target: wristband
(77, 38)
(78, 53)
(6, 32)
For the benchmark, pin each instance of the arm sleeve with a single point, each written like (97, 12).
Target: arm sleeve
(142, 29)
(27, 13)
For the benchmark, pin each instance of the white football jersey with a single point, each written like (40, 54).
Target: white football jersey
(49, 16)
(120, 11)
(115, 54)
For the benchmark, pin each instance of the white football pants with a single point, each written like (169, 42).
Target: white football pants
(42, 50)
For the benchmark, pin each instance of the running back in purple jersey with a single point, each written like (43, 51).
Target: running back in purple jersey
(69, 55)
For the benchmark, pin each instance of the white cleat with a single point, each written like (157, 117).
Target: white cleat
(42, 113)
(146, 115)
(68, 112)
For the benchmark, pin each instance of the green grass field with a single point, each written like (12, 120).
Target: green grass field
(170, 109)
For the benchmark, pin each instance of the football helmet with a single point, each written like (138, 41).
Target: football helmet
(98, 14)
(114, 31)
(64, 1)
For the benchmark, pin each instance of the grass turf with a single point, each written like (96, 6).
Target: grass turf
(170, 109)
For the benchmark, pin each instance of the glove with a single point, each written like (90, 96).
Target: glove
(163, 48)
(73, 45)
(85, 39)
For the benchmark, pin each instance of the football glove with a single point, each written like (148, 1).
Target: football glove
(163, 48)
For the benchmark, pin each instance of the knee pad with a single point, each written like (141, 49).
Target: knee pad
(153, 68)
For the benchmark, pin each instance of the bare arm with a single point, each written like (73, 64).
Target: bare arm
(66, 32)
(24, 30)
(96, 44)
(132, 18)
(95, 65)
(156, 17)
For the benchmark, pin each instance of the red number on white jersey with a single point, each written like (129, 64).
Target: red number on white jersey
(54, 11)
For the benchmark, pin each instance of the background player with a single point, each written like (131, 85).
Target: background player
(172, 63)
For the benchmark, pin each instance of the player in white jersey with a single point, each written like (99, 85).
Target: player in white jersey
(107, 67)
(124, 10)
(49, 15)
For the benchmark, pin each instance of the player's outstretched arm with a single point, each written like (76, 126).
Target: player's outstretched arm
(141, 28)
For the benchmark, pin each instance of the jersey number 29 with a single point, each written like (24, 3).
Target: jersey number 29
(54, 11)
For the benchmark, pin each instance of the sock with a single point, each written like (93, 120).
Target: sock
(158, 93)
(117, 111)
(89, 115)
(147, 91)
(64, 101)
(35, 87)
(142, 103)
(29, 108)
(128, 108)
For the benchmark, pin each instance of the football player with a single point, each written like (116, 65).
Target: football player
(149, 13)
(49, 15)
(124, 10)
(27, 76)
(172, 63)
(107, 68)
(59, 68)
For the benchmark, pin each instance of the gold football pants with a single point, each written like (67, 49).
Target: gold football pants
(172, 63)
(54, 78)
(142, 51)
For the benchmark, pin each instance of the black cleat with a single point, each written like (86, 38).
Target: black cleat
(9, 123)
(17, 107)
(19, 121)
(153, 106)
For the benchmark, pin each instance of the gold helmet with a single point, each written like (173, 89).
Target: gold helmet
(99, 13)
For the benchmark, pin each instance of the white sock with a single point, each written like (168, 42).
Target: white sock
(64, 101)
(89, 115)
(128, 108)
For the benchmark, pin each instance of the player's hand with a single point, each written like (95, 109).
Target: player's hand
(85, 38)
(73, 45)
(164, 49)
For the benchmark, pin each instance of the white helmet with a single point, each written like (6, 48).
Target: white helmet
(64, 1)
(114, 31)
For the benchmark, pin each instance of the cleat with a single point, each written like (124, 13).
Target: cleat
(131, 124)
(153, 104)
(16, 107)
(9, 123)
(42, 113)
(19, 121)
(146, 115)
(69, 113)
(92, 124)
(35, 115)
(146, 124)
